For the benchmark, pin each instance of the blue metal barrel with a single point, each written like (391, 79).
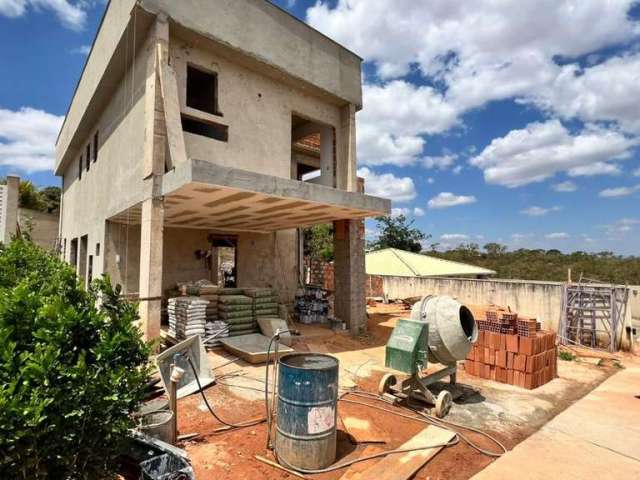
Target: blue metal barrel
(307, 410)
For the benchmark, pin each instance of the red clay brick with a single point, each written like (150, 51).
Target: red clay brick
(529, 383)
(501, 358)
(512, 343)
(493, 373)
(494, 339)
(480, 340)
(526, 346)
(520, 363)
(503, 341)
(530, 365)
(510, 356)
(510, 377)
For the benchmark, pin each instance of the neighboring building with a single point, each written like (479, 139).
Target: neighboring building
(192, 128)
(42, 226)
(391, 262)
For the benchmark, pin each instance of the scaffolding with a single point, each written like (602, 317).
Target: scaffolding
(593, 313)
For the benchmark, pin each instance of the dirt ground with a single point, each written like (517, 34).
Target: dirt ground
(507, 412)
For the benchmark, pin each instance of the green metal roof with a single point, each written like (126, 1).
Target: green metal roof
(400, 263)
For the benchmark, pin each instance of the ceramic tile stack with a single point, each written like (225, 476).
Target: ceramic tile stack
(264, 302)
(512, 349)
(312, 305)
(237, 311)
(187, 316)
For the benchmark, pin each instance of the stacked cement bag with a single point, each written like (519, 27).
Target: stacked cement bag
(237, 312)
(218, 330)
(187, 316)
(264, 302)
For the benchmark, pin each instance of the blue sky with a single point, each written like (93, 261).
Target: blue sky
(515, 123)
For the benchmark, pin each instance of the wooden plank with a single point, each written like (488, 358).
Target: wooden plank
(355, 471)
(363, 430)
(403, 466)
(171, 103)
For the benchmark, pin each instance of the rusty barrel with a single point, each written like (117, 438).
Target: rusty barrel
(307, 410)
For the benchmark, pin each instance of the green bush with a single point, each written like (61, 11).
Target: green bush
(71, 369)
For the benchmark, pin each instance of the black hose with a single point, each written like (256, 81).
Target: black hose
(248, 423)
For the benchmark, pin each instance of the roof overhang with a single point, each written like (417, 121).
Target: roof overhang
(200, 194)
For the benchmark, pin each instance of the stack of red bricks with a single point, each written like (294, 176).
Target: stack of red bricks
(526, 361)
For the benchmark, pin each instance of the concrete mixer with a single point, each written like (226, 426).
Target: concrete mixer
(440, 330)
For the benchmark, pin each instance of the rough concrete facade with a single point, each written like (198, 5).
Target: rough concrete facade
(9, 208)
(349, 274)
(131, 103)
(42, 226)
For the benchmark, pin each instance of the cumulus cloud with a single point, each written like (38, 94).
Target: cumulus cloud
(636, 172)
(394, 118)
(619, 191)
(557, 236)
(620, 227)
(448, 199)
(441, 162)
(418, 212)
(82, 50)
(542, 149)
(71, 14)
(565, 187)
(387, 185)
(27, 139)
(473, 56)
(454, 237)
(536, 211)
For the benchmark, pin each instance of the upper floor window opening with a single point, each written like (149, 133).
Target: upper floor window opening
(202, 91)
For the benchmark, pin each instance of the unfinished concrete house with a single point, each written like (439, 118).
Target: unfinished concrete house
(212, 124)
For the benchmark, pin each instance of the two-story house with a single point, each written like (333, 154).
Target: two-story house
(212, 122)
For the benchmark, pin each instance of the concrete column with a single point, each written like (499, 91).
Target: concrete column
(11, 215)
(326, 156)
(347, 160)
(349, 274)
(151, 249)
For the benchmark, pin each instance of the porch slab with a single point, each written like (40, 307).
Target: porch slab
(201, 194)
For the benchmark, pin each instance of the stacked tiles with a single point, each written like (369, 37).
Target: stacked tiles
(187, 316)
(237, 312)
(264, 302)
(217, 329)
(524, 361)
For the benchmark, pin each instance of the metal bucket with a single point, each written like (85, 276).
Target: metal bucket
(307, 410)
(158, 424)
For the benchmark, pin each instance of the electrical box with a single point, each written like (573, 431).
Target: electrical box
(407, 349)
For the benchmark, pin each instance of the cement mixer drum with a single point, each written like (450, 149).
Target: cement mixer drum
(452, 328)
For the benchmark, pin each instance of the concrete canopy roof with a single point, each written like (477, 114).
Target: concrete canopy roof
(202, 195)
(400, 263)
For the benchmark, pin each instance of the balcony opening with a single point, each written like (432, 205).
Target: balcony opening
(205, 129)
(312, 152)
(202, 91)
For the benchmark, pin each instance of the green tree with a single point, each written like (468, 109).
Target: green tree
(318, 242)
(495, 248)
(50, 197)
(397, 232)
(29, 196)
(72, 369)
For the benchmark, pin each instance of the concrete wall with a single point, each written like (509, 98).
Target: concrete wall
(3, 211)
(43, 225)
(542, 300)
(256, 108)
(121, 257)
(634, 301)
(115, 180)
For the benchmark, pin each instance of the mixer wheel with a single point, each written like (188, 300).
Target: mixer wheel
(443, 404)
(388, 381)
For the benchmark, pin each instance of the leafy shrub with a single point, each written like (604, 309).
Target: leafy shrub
(566, 356)
(71, 369)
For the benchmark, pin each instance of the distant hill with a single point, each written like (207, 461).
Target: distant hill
(551, 265)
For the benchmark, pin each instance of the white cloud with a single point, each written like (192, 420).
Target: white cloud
(418, 212)
(636, 173)
(556, 236)
(394, 117)
(71, 15)
(441, 162)
(619, 191)
(454, 237)
(387, 185)
(457, 169)
(565, 187)
(620, 227)
(536, 211)
(396, 212)
(541, 150)
(448, 199)
(430, 181)
(497, 50)
(81, 50)
(27, 139)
